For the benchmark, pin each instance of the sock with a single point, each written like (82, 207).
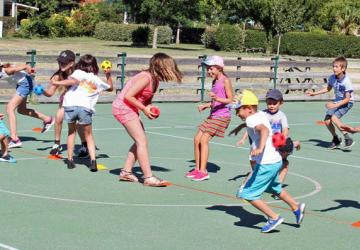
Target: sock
(346, 136)
(57, 142)
(84, 144)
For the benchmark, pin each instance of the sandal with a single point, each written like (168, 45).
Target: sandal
(154, 181)
(127, 176)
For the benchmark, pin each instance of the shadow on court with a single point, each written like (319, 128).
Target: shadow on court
(30, 138)
(342, 204)
(211, 167)
(239, 176)
(320, 143)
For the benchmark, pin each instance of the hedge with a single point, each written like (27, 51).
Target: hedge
(208, 38)
(8, 24)
(229, 37)
(255, 39)
(190, 35)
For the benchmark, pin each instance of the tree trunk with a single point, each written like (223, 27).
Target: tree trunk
(278, 46)
(178, 36)
(154, 43)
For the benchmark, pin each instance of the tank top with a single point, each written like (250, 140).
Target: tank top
(219, 109)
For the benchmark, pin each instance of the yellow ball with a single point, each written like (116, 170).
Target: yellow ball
(106, 65)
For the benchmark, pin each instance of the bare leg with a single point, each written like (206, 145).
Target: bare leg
(263, 207)
(284, 170)
(330, 127)
(4, 145)
(89, 140)
(71, 140)
(131, 158)
(81, 133)
(285, 196)
(137, 133)
(22, 109)
(14, 102)
(59, 118)
(204, 151)
(197, 147)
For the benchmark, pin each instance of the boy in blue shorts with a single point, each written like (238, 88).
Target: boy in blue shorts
(265, 176)
(4, 133)
(344, 100)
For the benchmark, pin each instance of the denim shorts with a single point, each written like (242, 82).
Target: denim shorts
(340, 111)
(81, 115)
(3, 129)
(264, 178)
(24, 87)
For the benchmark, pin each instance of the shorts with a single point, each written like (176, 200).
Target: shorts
(263, 178)
(3, 129)
(123, 115)
(215, 126)
(25, 87)
(81, 115)
(338, 112)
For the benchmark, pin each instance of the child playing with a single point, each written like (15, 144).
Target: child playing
(136, 96)
(265, 176)
(20, 75)
(79, 103)
(218, 120)
(343, 102)
(4, 134)
(66, 61)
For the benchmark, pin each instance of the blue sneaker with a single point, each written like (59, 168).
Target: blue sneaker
(272, 224)
(299, 213)
(8, 158)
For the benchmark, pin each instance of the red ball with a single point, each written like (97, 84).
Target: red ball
(278, 140)
(155, 111)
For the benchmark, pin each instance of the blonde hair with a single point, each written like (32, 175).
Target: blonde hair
(164, 68)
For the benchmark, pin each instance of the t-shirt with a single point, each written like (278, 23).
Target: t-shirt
(341, 86)
(15, 78)
(86, 92)
(269, 155)
(278, 120)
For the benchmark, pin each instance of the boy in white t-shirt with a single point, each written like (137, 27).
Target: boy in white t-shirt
(265, 176)
(79, 103)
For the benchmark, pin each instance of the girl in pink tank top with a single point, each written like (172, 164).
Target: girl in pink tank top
(136, 96)
(215, 125)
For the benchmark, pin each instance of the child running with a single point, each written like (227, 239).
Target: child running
(4, 134)
(79, 104)
(344, 100)
(21, 76)
(136, 96)
(66, 61)
(265, 176)
(219, 119)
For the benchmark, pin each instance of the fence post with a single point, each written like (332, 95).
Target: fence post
(276, 66)
(32, 54)
(122, 64)
(203, 75)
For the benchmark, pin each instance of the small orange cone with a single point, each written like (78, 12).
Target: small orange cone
(37, 130)
(55, 157)
(356, 224)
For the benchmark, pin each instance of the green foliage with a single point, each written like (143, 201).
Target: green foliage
(191, 35)
(114, 31)
(164, 34)
(8, 24)
(313, 44)
(140, 36)
(229, 37)
(57, 25)
(208, 38)
(255, 39)
(85, 19)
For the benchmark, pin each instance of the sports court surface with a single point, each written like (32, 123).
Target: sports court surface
(46, 206)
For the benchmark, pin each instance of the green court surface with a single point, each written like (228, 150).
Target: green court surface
(46, 206)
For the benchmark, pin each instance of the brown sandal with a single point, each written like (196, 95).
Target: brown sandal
(127, 176)
(154, 181)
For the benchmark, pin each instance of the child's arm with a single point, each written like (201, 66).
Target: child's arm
(321, 91)
(346, 100)
(242, 139)
(204, 106)
(12, 69)
(109, 79)
(50, 91)
(67, 82)
(264, 133)
(229, 93)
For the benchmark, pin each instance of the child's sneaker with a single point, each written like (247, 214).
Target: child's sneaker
(272, 224)
(349, 143)
(14, 143)
(335, 143)
(93, 166)
(192, 173)
(200, 176)
(8, 158)
(56, 149)
(83, 152)
(48, 125)
(71, 164)
(299, 213)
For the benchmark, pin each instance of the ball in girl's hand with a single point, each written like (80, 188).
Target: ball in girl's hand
(38, 89)
(278, 140)
(106, 65)
(155, 111)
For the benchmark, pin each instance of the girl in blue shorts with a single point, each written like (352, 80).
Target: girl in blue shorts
(4, 133)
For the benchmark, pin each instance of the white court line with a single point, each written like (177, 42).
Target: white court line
(7, 247)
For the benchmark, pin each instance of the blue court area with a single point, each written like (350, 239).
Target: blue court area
(46, 206)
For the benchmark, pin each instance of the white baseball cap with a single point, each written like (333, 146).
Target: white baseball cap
(214, 60)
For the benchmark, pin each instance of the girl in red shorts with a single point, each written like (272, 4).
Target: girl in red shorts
(136, 96)
(218, 120)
